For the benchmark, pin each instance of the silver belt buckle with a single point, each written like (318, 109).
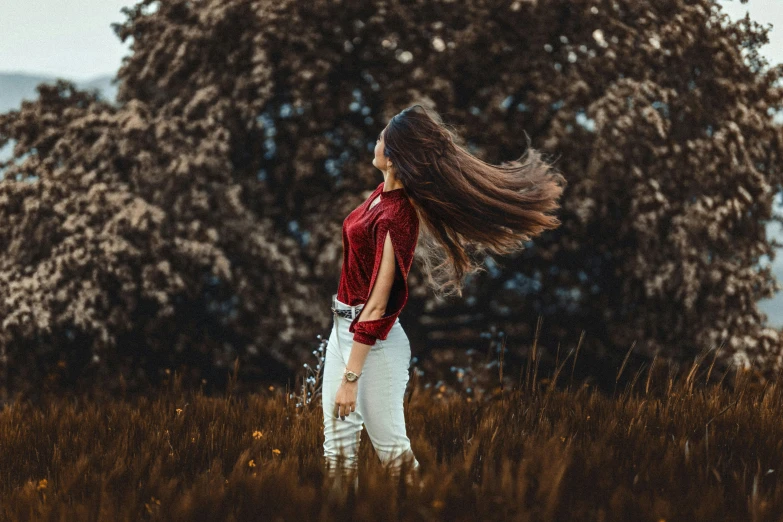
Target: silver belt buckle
(353, 310)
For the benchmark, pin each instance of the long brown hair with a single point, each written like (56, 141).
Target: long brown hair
(466, 206)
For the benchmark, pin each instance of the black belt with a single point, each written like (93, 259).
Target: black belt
(344, 312)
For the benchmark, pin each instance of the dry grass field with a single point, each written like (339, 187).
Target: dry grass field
(669, 446)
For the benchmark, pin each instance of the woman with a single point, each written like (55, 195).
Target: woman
(467, 207)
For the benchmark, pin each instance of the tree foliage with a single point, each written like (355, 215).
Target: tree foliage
(199, 219)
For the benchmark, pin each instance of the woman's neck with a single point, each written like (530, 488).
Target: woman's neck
(390, 183)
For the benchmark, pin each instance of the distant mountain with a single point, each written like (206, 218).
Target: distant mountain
(14, 87)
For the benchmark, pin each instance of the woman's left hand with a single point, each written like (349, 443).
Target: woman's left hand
(345, 400)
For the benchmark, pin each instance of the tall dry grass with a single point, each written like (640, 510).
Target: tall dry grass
(669, 446)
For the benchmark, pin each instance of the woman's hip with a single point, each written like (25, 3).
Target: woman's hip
(341, 340)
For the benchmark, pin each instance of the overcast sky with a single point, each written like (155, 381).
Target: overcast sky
(73, 39)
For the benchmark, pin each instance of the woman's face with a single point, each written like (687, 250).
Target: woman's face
(379, 161)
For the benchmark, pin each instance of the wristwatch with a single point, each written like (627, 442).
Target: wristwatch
(350, 376)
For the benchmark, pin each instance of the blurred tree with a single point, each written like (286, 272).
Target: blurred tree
(200, 220)
(132, 241)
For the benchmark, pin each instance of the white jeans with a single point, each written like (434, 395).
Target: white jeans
(379, 399)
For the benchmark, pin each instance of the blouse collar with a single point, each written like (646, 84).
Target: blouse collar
(392, 194)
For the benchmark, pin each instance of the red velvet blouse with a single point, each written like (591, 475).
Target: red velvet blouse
(364, 234)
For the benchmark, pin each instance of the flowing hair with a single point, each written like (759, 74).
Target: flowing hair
(466, 206)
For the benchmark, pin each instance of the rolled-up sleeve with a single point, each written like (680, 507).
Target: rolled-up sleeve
(403, 230)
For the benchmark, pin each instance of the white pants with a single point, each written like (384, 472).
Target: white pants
(379, 400)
